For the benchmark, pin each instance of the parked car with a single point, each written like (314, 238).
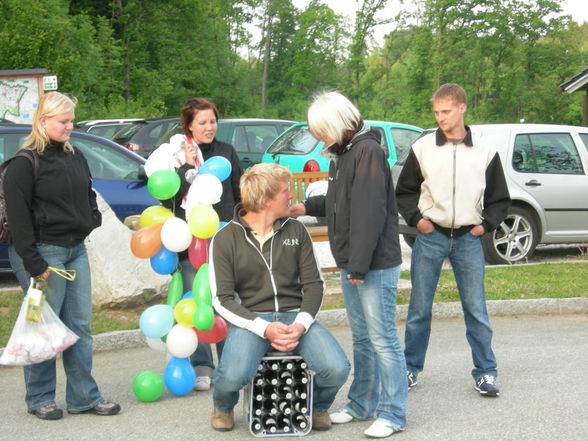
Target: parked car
(546, 169)
(4, 121)
(104, 127)
(117, 174)
(301, 152)
(141, 136)
(250, 136)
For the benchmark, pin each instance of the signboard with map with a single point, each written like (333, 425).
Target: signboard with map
(19, 95)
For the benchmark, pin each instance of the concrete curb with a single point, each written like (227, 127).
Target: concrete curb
(338, 317)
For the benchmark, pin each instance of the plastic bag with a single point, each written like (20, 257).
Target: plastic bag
(34, 342)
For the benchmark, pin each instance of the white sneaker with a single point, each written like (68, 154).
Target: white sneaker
(381, 429)
(202, 383)
(341, 417)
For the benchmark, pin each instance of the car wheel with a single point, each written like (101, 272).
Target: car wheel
(514, 240)
(409, 239)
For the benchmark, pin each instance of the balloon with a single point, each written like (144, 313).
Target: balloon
(205, 189)
(218, 166)
(181, 341)
(146, 241)
(156, 214)
(184, 312)
(148, 386)
(201, 287)
(175, 289)
(163, 184)
(198, 252)
(203, 221)
(164, 261)
(221, 224)
(214, 334)
(204, 317)
(156, 321)
(179, 376)
(188, 295)
(157, 344)
(175, 235)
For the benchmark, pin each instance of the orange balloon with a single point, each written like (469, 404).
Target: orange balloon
(146, 242)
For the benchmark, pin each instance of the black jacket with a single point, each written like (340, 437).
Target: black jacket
(231, 194)
(58, 207)
(360, 206)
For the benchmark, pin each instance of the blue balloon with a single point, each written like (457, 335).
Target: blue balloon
(188, 295)
(156, 321)
(221, 224)
(218, 166)
(179, 376)
(164, 261)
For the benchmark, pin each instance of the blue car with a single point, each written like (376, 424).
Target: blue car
(118, 174)
(297, 149)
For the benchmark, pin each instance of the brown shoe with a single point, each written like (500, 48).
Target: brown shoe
(221, 421)
(321, 421)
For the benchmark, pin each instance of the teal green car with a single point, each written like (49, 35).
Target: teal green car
(297, 149)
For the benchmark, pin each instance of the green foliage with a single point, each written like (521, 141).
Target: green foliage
(145, 58)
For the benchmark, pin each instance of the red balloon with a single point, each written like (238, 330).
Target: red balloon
(214, 334)
(198, 252)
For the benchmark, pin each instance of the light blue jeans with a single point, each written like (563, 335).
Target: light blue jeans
(379, 388)
(244, 350)
(72, 302)
(467, 260)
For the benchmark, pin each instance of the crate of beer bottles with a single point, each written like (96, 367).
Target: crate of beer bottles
(280, 397)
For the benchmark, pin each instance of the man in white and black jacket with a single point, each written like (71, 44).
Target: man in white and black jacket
(452, 189)
(266, 283)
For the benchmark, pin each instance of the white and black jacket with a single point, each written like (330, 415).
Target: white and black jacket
(455, 186)
(283, 276)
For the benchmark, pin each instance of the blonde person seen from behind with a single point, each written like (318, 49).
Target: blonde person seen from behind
(49, 217)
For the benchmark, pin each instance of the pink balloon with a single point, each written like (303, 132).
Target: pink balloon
(214, 334)
(198, 252)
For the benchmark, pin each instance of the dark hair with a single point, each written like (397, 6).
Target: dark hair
(190, 109)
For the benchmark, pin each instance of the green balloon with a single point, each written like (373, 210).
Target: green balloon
(163, 184)
(175, 289)
(148, 386)
(201, 287)
(204, 317)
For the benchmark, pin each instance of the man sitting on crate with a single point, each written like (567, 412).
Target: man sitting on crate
(266, 283)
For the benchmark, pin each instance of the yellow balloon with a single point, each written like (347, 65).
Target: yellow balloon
(184, 312)
(156, 214)
(203, 221)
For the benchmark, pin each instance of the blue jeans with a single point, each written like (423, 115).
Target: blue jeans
(244, 350)
(379, 388)
(203, 355)
(467, 260)
(72, 302)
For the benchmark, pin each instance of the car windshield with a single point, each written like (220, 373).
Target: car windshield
(105, 162)
(297, 141)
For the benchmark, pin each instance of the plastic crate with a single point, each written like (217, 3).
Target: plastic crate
(279, 397)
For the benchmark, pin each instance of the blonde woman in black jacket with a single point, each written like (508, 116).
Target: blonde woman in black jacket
(49, 216)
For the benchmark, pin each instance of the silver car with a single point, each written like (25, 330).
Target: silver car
(546, 168)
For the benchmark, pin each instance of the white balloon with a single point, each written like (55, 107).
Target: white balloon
(205, 189)
(181, 341)
(156, 344)
(176, 235)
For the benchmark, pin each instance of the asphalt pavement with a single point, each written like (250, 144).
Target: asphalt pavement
(542, 375)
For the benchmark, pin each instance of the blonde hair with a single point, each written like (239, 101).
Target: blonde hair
(450, 91)
(51, 104)
(331, 115)
(261, 183)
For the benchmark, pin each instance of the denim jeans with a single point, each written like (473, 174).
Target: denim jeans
(467, 260)
(244, 350)
(72, 302)
(379, 388)
(201, 359)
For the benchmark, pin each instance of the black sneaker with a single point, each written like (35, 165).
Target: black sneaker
(412, 379)
(48, 412)
(104, 408)
(486, 385)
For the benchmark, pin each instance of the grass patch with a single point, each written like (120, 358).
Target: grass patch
(550, 280)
